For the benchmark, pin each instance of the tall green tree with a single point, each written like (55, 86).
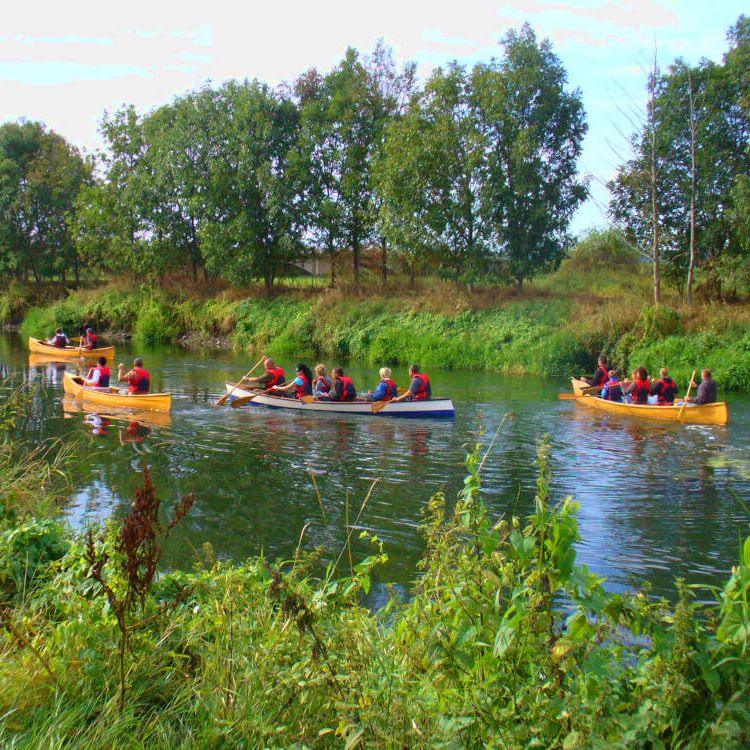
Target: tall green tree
(40, 177)
(534, 127)
(342, 119)
(431, 176)
(253, 226)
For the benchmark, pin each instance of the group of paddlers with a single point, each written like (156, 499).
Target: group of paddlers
(88, 341)
(137, 378)
(339, 386)
(644, 390)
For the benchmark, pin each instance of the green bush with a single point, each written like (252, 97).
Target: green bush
(156, 323)
(26, 551)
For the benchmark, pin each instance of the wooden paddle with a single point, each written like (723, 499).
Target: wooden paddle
(224, 398)
(378, 406)
(687, 396)
(570, 396)
(247, 399)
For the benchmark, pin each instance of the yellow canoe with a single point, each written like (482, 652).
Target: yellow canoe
(69, 352)
(580, 387)
(716, 413)
(74, 386)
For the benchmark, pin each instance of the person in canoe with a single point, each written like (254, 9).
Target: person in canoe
(302, 383)
(138, 379)
(665, 389)
(601, 375)
(387, 389)
(90, 340)
(640, 387)
(612, 390)
(343, 386)
(60, 340)
(707, 390)
(272, 377)
(419, 388)
(98, 377)
(321, 382)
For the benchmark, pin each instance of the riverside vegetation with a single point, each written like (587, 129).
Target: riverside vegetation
(506, 641)
(597, 301)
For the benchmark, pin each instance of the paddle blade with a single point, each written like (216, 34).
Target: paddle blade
(378, 406)
(567, 396)
(242, 401)
(223, 399)
(307, 399)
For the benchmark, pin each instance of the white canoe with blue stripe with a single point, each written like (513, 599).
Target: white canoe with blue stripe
(431, 408)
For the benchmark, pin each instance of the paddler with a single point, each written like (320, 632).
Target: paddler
(612, 390)
(601, 376)
(90, 340)
(665, 389)
(419, 388)
(343, 386)
(707, 390)
(60, 340)
(387, 389)
(273, 376)
(138, 379)
(640, 388)
(302, 383)
(98, 377)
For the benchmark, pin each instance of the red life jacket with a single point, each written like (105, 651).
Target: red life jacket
(391, 389)
(321, 384)
(667, 391)
(424, 389)
(142, 381)
(104, 373)
(59, 340)
(305, 389)
(605, 377)
(641, 392)
(91, 340)
(348, 391)
(614, 390)
(277, 379)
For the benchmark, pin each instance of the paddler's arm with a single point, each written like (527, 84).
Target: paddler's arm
(123, 378)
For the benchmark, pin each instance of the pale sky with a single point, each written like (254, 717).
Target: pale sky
(66, 63)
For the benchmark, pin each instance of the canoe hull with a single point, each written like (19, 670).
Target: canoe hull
(69, 352)
(716, 414)
(74, 387)
(441, 408)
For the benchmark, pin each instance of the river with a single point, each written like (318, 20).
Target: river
(657, 501)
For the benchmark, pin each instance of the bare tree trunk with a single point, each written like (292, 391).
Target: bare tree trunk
(654, 182)
(383, 259)
(355, 254)
(693, 191)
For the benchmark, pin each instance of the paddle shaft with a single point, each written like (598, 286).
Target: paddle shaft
(687, 396)
(224, 398)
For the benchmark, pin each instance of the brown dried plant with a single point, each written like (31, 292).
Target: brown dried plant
(138, 549)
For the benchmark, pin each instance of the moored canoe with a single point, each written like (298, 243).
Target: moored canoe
(69, 352)
(431, 408)
(74, 386)
(716, 413)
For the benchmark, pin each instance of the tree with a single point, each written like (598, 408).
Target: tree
(430, 176)
(534, 131)
(252, 225)
(342, 117)
(40, 177)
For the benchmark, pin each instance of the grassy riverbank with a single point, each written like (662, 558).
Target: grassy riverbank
(556, 327)
(507, 642)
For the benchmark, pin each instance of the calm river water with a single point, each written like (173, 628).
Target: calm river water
(657, 501)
